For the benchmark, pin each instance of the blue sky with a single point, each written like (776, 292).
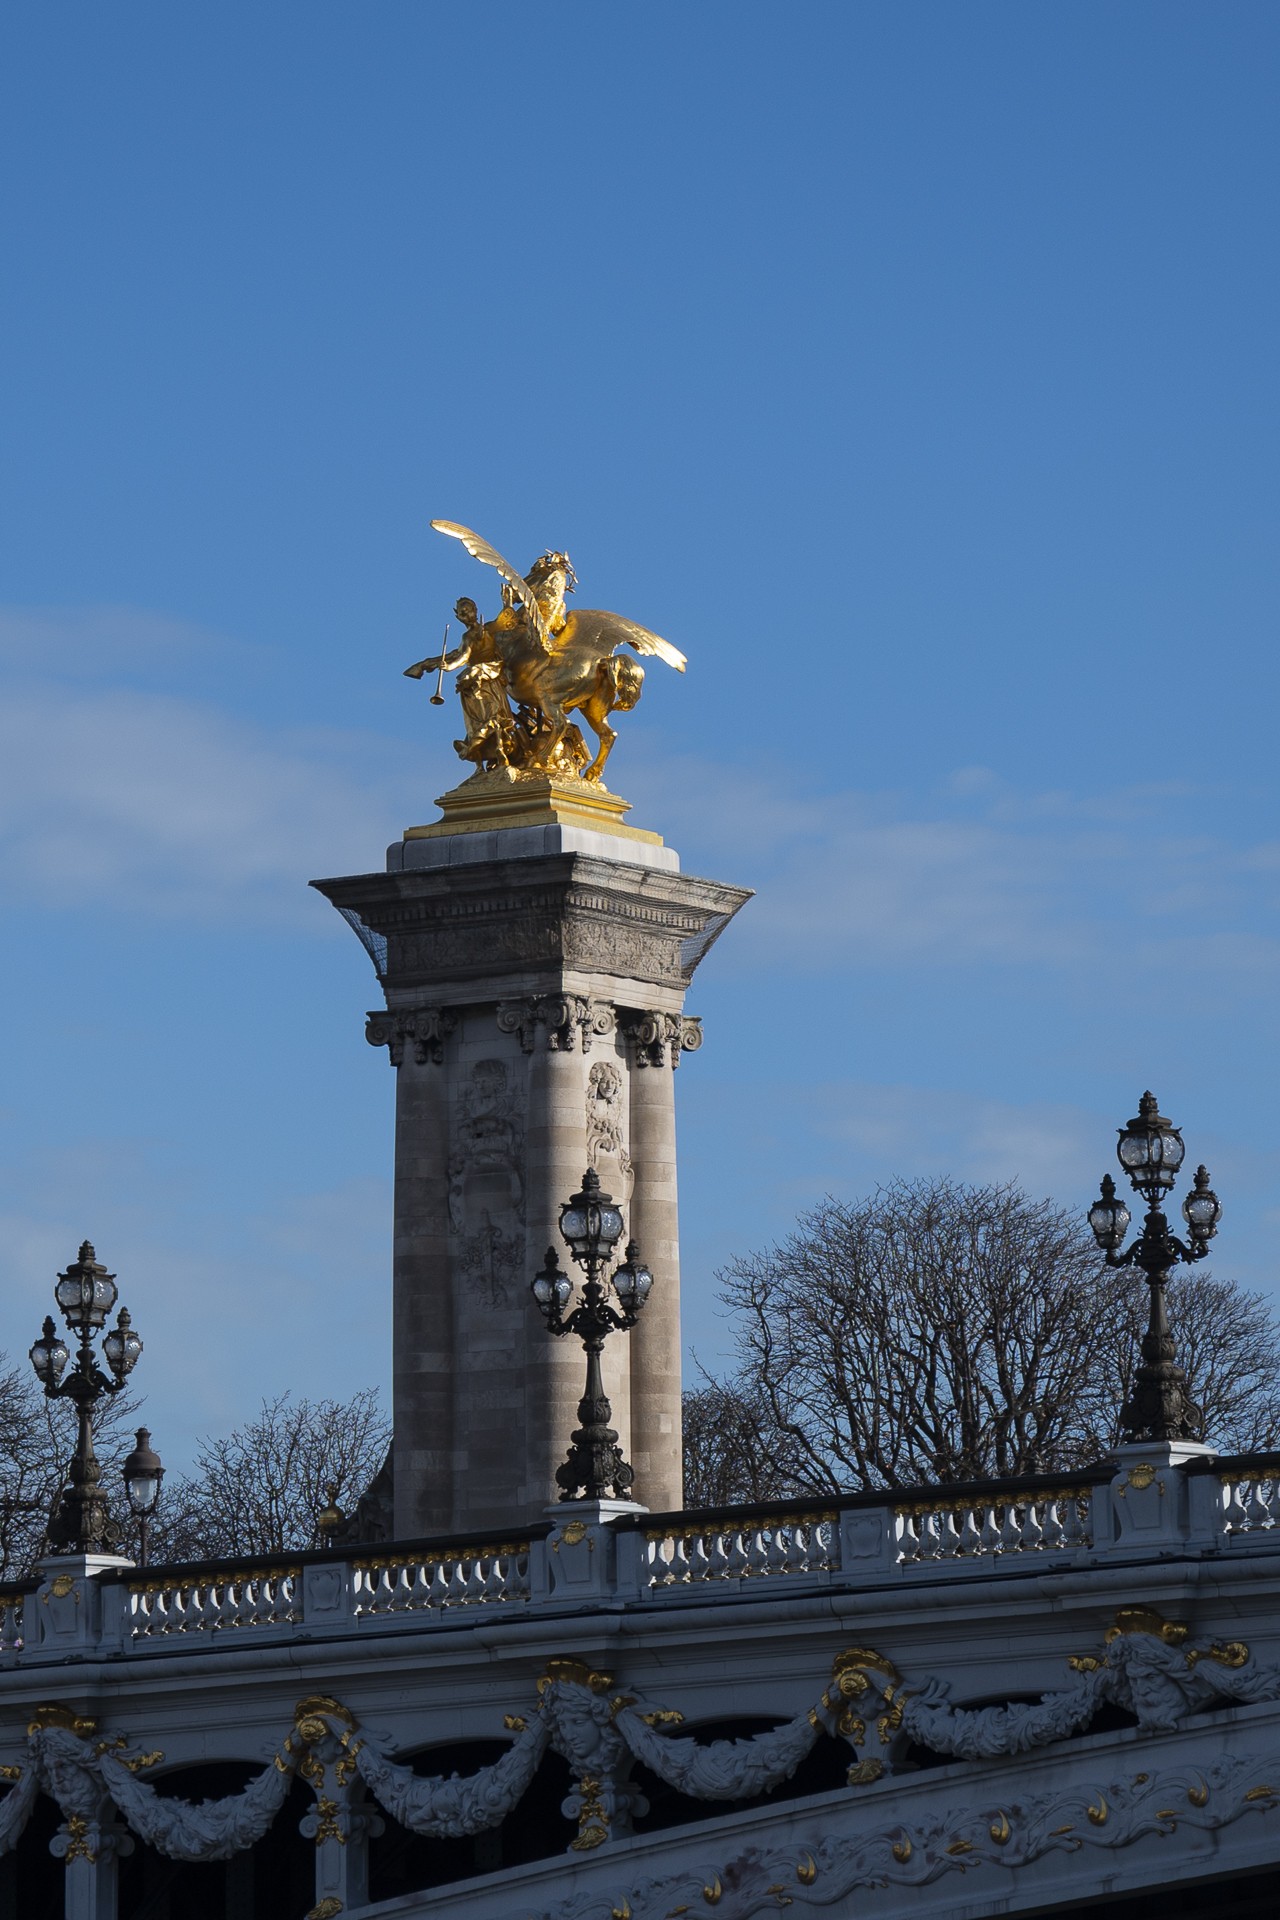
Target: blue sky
(913, 369)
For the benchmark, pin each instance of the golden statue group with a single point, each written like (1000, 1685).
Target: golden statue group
(522, 674)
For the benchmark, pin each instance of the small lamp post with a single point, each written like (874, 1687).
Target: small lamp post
(592, 1226)
(1151, 1150)
(142, 1473)
(86, 1292)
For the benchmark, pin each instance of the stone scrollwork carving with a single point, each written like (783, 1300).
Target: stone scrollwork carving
(425, 1027)
(569, 1018)
(1103, 1818)
(519, 1017)
(657, 1038)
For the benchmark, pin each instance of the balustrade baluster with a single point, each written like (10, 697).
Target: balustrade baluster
(1055, 1533)
(775, 1559)
(699, 1566)
(1256, 1509)
(948, 1535)
(795, 1548)
(757, 1551)
(1076, 1512)
(738, 1559)
(1010, 1530)
(1234, 1517)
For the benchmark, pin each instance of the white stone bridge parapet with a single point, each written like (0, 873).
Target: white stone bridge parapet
(959, 1699)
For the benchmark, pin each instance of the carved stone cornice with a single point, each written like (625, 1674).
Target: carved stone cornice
(476, 923)
(567, 1017)
(656, 1038)
(425, 1027)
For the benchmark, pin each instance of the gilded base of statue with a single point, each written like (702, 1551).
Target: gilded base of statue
(504, 797)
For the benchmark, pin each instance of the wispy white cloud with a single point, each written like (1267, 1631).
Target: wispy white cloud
(172, 807)
(971, 873)
(225, 1286)
(115, 795)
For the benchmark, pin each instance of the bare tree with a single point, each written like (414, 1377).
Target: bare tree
(260, 1489)
(941, 1332)
(732, 1449)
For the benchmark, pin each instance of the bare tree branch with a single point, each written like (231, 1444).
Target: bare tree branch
(941, 1332)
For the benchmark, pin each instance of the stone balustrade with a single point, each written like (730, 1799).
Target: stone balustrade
(988, 1527)
(1149, 1499)
(479, 1576)
(258, 1597)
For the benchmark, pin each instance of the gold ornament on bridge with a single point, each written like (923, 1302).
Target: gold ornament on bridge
(523, 674)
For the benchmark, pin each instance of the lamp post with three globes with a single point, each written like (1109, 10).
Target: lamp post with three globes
(592, 1226)
(1151, 1150)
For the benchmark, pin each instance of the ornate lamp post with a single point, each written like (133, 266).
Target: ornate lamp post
(142, 1473)
(592, 1226)
(1151, 1151)
(86, 1292)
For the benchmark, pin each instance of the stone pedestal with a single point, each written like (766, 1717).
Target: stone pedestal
(535, 977)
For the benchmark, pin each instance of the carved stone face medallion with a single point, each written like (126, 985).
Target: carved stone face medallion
(606, 1139)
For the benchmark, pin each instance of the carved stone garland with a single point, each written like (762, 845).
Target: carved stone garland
(1145, 1666)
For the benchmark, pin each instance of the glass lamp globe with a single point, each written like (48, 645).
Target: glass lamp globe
(590, 1222)
(1150, 1149)
(86, 1292)
(1109, 1218)
(142, 1473)
(49, 1355)
(122, 1346)
(1202, 1209)
(551, 1287)
(633, 1280)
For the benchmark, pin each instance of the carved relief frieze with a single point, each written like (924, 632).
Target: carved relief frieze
(486, 1183)
(424, 1027)
(606, 1141)
(597, 936)
(658, 1038)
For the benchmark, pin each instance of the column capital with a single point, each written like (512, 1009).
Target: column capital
(569, 1018)
(425, 1027)
(655, 1038)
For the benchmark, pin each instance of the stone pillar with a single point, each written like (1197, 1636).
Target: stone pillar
(516, 964)
(655, 1042)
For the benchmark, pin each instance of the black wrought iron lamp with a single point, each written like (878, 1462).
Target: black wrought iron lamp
(142, 1473)
(86, 1292)
(1151, 1150)
(592, 1227)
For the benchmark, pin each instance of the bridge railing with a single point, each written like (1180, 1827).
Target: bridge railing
(1147, 1500)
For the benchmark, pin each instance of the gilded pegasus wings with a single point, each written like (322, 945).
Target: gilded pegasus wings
(607, 630)
(604, 631)
(481, 550)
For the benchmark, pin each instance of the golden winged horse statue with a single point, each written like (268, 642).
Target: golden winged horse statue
(522, 674)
